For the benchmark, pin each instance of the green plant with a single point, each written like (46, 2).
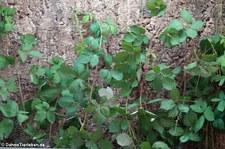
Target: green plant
(6, 20)
(103, 101)
(178, 31)
(156, 7)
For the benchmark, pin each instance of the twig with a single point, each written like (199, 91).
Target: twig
(90, 96)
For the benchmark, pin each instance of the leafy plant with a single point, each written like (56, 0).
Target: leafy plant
(156, 7)
(178, 31)
(26, 44)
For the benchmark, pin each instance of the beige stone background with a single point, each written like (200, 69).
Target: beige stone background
(51, 22)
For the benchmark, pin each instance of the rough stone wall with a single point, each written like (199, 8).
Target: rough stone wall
(51, 22)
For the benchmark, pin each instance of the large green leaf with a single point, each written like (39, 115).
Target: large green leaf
(6, 126)
(176, 24)
(10, 109)
(199, 124)
(160, 145)
(107, 92)
(197, 25)
(187, 16)
(208, 114)
(124, 139)
(167, 104)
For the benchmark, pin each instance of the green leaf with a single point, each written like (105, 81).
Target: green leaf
(167, 104)
(190, 119)
(178, 131)
(199, 124)
(208, 114)
(35, 54)
(194, 137)
(219, 123)
(108, 92)
(91, 145)
(96, 136)
(191, 33)
(65, 101)
(94, 27)
(129, 37)
(103, 144)
(184, 138)
(124, 124)
(40, 116)
(94, 60)
(21, 117)
(216, 100)
(157, 84)
(145, 145)
(22, 55)
(3, 62)
(160, 145)
(114, 30)
(115, 126)
(176, 24)
(51, 116)
(10, 109)
(117, 75)
(85, 19)
(124, 139)
(183, 108)
(104, 73)
(150, 76)
(196, 108)
(197, 25)
(78, 67)
(6, 126)
(169, 83)
(221, 106)
(175, 40)
(187, 16)
(76, 85)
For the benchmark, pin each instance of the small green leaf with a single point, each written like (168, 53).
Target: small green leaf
(94, 27)
(85, 19)
(22, 55)
(114, 30)
(129, 37)
(184, 138)
(199, 124)
(21, 117)
(221, 106)
(35, 54)
(197, 25)
(103, 144)
(167, 104)
(6, 126)
(40, 116)
(196, 108)
(51, 116)
(208, 114)
(178, 131)
(115, 126)
(191, 33)
(176, 24)
(10, 109)
(160, 145)
(124, 139)
(94, 60)
(150, 76)
(187, 16)
(117, 75)
(145, 145)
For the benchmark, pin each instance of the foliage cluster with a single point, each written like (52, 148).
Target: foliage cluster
(101, 101)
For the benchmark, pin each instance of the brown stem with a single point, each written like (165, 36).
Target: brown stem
(90, 96)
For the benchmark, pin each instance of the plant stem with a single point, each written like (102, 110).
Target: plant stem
(90, 96)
